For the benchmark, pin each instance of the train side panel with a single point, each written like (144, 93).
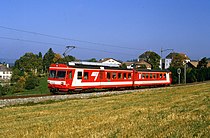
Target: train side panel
(66, 78)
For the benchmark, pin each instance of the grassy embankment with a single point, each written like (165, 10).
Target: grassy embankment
(174, 112)
(41, 89)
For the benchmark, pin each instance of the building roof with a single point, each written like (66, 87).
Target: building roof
(194, 63)
(4, 68)
(143, 62)
(128, 63)
(208, 65)
(106, 59)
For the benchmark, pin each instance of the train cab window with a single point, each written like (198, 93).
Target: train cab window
(61, 74)
(108, 75)
(114, 75)
(79, 75)
(129, 75)
(119, 75)
(86, 75)
(124, 76)
(52, 74)
(161, 75)
(70, 75)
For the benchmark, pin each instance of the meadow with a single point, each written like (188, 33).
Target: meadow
(183, 111)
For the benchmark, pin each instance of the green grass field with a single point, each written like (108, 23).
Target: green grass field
(167, 112)
(41, 89)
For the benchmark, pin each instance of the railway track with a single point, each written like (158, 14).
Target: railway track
(18, 100)
(23, 96)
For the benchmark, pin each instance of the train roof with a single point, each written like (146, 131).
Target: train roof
(92, 65)
(84, 63)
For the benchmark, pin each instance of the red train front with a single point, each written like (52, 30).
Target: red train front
(83, 75)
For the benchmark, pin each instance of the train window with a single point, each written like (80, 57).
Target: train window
(79, 75)
(147, 76)
(143, 76)
(150, 75)
(86, 75)
(124, 76)
(52, 74)
(108, 75)
(119, 75)
(129, 75)
(164, 75)
(154, 76)
(161, 75)
(61, 74)
(70, 75)
(114, 75)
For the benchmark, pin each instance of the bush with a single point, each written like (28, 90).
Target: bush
(31, 82)
(6, 89)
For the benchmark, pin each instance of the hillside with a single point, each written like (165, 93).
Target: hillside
(174, 112)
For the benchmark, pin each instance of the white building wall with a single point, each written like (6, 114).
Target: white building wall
(5, 75)
(167, 63)
(111, 61)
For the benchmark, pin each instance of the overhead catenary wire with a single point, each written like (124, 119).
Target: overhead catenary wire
(65, 38)
(47, 43)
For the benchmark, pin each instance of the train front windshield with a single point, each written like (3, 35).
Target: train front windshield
(57, 74)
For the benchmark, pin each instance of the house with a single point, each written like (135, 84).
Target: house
(129, 65)
(110, 61)
(5, 72)
(208, 65)
(139, 64)
(143, 64)
(167, 61)
(192, 64)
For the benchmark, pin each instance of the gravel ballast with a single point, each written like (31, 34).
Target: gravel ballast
(19, 101)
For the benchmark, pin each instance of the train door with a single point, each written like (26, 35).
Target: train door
(101, 77)
(69, 78)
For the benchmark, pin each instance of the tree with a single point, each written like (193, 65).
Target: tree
(92, 60)
(31, 82)
(56, 58)
(67, 59)
(191, 75)
(202, 63)
(20, 84)
(178, 60)
(29, 63)
(152, 58)
(123, 66)
(48, 59)
(40, 55)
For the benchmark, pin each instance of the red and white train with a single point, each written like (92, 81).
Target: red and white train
(88, 75)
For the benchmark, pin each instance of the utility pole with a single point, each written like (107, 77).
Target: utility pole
(185, 73)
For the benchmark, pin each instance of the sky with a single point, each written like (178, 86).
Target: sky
(120, 29)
